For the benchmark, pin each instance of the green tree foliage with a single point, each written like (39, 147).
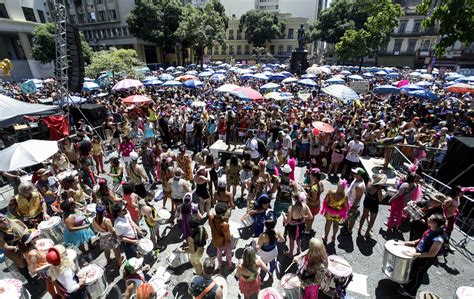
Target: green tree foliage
(44, 44)
(356, 44)
(156, 21)
(261, 54)
(201, 28)
(261, 27)
(455, 19)
(217, 6)
(117, 61)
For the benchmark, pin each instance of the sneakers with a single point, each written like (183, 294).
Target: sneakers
(403, 292)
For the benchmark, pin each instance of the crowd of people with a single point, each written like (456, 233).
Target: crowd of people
(164, 145)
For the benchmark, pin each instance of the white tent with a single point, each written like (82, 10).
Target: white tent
(13, 111)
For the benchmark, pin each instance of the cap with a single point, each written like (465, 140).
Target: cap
(53, 257)
(358, 170)
(133, 264)
(100, 208)
(102, 182)
(286, 169)
(134, 156)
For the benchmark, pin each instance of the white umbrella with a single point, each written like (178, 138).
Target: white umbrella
(428, 77)
(198, 104)
(260, 76)
(227, 87)
(341, 92)
(27, 153)
(289, 80)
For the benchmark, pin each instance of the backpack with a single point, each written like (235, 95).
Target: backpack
(199, 237)
(262, 149)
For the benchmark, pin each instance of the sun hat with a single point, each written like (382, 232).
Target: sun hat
(358, 170)
(379, 179)
(286, 169)
(133, 264)
(134, 156)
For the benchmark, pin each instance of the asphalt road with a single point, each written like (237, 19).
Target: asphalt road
(365, 257)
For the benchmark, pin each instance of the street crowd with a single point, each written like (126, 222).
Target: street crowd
(163, 147)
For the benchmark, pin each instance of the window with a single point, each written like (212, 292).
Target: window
(101, 15)
(231, 50)
(402, 27)
(231, 34)
(239, 35)
(112, 14)
(3, 11)
(80, 17)
(411, 45)
(290, 33)
(239, 50)
(272, 49)
(109, 33)
(223, 51)
(216, 50)
(383, 47)
(99, 1)
(416, 27)
(41, 16)
(125, 31)
(247, 50)
(29, 14)
(397, 46)
(280, 49)
(289, 49)
(425, 46)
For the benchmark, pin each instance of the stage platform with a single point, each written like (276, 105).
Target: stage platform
(219, 148)
(375, 166)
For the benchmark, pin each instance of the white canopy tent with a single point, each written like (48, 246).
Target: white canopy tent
(13, 111)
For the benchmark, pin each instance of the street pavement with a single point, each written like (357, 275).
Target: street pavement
(365, 256)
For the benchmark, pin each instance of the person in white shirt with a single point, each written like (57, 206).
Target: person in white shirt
(354, 150)
(179, 188)
(251, 146)
(286, 144)
(126, 230)
(355, 193)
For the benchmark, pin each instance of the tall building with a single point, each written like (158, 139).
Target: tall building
(104, 25)
(18, 19)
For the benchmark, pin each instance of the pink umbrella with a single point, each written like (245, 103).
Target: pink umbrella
(247, 93)
(403, 83)
(127, 83)
(136, 100)
(323, 127)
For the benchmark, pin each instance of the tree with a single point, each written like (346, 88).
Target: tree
(201, 28)
(357, 44)
(261, 27)
(156, 21)
(455, 19)
(117, 61)
(44, 44)
(261, 54)
(217, 6)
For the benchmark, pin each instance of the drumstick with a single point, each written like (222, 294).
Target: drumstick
(289, 266)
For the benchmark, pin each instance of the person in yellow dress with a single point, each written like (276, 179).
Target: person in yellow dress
(335, 208)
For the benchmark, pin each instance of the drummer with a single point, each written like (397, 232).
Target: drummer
(133, 273)
(203, 286)
(29, 205)
(419, 226)
(35, 259)
(126, 230)
(427, 248)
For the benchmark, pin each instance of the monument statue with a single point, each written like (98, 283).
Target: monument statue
(301, 37)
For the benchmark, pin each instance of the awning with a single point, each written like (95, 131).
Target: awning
(13, 111)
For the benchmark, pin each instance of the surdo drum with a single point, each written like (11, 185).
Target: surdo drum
(52, 229)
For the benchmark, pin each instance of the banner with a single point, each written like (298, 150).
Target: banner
(28, 87)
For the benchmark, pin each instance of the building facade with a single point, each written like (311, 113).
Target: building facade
(104, 25)
(18, 19)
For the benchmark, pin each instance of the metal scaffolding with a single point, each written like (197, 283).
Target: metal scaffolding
(60, 19)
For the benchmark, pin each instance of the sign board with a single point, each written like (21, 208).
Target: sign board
(28, 87)
(360, 87)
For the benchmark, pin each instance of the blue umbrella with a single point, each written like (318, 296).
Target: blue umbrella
(270, 85)
(335, 80)
(260, 76)
(287, 74)
(193, 84)
(166, 77)
(171, 83)
(88, 86)
(246, 76)
(453, 77)
(217, 77)
(423, 83)
(277, 76)
(355, 77)
(309, 76)
(289, 80)
(152, 82)
(192, 73)
(205, 74)
(410, 87)
(221, 71)
(307, 82)
(368, 75)
(424, 94)
(170, 69)
(393, 75)
(461, 80)
(386, 89)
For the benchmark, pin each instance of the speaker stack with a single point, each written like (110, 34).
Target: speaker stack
(75, 59)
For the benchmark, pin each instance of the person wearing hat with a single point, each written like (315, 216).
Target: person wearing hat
(133, 273)
(29, 206)
(285, 187)
(137, 175)
(48, 186)
(126, 230)
(107, 238)
(62, 273)
(179, 187)
(354, 193)
(373, 197)
(35, 259)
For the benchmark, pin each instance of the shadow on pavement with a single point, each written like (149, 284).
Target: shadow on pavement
(387, 289)
(181, 290)
(366, 246)
(346, 242)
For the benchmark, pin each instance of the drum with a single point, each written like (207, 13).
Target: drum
(72, 255)
(291, 284)
(396, 265)
(52, 229)
(337, 276)
(247, 220)
(159, 286)
(234, 231)
(90, 210)
(44, 244)
(145, 246)
(464, 293)
(95, 280)
(164, 216)
(269, 293)
(222, 282)
(413, 211)
(13, 288)
(177, 259)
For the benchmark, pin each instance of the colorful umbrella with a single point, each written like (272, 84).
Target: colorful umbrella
(227, 88)
(403, 83)
(126, 84)
(411, 87)
(136, 100)
(247, 93)
(341, 92)
(307, 82)
(461, 80)
(185, 78)
(193, 84)
(323, 127)
(152, 82)
(386, 89)
(460, 88)
(424, 94)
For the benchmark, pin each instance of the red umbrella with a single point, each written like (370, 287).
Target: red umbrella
(323, 127)
(185, 78)
(316, 132)
(247, 93)
(136, 100)
(403, 83)
(460, 88)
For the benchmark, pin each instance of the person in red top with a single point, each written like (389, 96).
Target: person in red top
(221, 127)
(126, 147)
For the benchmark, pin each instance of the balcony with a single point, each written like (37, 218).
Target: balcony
(428, 31)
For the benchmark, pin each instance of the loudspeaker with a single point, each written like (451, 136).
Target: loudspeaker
(75, 59)
(95, 113)
(459, 157)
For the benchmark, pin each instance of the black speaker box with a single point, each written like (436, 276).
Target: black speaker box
(94, 113)
(75, 59)
(459, 157)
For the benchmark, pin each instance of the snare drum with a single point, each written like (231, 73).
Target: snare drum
(159, 286)
(234, 231)
(145, 246)
(91, 210)
(13, 288)
(95, 280)
(72, 255)
(164, 216)
(413, 211)
(396, 265)
(177, 259)
(247, 220)
(52, 229)
(337, 276)
(222, 282)
(291, 284)
(44, 244)
(269, 293)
